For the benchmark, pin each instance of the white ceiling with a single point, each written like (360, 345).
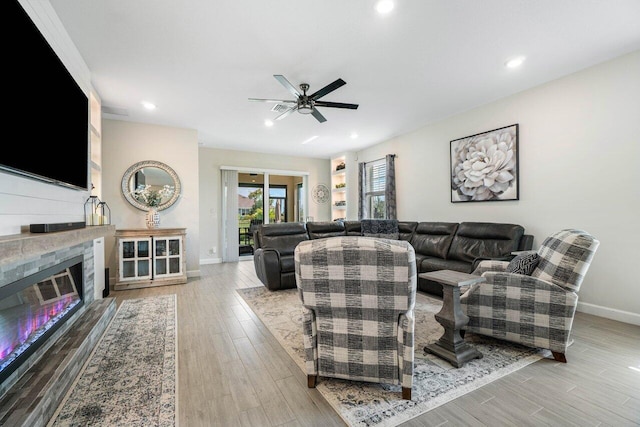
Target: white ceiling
(200, 60)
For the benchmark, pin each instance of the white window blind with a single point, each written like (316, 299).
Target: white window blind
(375, 181)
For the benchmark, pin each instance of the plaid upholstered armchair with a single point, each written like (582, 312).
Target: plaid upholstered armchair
(358, 296)
(535, 310)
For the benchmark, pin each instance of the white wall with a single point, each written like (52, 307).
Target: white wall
(25, 201)
(579, 168)
(211, 202)
(125, 143)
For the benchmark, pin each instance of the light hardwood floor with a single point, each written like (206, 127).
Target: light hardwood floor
(233, 372)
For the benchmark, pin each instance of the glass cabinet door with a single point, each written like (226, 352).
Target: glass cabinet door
(135, 259)
(167, 256)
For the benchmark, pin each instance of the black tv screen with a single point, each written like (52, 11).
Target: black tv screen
(47, 109)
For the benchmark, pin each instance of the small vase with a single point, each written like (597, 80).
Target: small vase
(153, 218)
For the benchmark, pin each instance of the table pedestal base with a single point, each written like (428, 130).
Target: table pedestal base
(451, 346)
(458, 356)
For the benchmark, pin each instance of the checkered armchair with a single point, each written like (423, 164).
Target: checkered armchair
(358, 296)
(535, 310)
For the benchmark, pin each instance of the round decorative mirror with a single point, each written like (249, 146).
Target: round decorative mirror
(150, 184)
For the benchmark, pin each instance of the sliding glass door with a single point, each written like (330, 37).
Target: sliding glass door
(258, 198)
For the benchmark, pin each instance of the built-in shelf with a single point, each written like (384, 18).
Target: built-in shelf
(96, 144)
(338, 195)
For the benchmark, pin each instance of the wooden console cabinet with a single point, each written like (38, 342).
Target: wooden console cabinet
(150, 257)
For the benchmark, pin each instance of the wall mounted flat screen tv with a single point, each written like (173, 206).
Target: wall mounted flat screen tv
(47, 109)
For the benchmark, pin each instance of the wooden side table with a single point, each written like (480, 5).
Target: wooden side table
(451, 346)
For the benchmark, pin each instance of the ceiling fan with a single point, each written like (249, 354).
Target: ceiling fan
(306, 104)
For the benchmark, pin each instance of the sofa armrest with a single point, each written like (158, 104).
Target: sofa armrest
(490, 265)
(267, 265)
(525, 282)
(516, 253)
(477, 261)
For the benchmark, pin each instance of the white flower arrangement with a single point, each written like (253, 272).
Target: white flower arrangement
(151, 197)
(484, 166)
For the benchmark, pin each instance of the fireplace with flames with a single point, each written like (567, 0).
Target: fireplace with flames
(34, 307)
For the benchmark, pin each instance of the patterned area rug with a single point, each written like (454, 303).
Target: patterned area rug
(130, 379)
(435, 381)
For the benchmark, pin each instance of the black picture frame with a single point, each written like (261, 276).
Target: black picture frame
(484, 167)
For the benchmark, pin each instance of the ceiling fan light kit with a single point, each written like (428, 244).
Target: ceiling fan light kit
(305, 104)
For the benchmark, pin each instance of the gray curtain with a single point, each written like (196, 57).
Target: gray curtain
(362, 209)
(390, 187)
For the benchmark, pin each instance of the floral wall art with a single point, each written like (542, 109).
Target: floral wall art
(484, 166)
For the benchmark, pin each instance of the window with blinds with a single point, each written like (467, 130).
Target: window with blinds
(375, 180)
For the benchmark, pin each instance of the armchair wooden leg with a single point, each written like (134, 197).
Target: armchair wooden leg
(406, 393)
(311, 381)
(559, 357)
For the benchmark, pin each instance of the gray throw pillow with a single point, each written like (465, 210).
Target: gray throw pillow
(524, 264)
(392, 236)
(383, 228)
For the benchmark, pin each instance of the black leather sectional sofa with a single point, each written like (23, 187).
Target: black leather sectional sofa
(438, 246)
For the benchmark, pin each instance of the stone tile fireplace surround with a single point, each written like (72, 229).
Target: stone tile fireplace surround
(31, 394)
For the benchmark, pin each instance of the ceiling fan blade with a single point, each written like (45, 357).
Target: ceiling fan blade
(286, 113)
(284, 82)
(336, 105)
(319, 117)
(328, 88)
(277, 101)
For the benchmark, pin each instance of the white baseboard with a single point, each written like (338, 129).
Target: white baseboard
(193, 273)
(219, 260)
(609, 313)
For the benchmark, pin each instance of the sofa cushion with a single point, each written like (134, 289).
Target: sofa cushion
(484, 239)
(433, 238)
(435, 264)
(419, 259)
(406, 229)
(320, 230)
(385, 228)
(283, 237)
(353, 228)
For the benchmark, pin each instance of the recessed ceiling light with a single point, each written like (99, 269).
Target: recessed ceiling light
(148, 105)
(514, 62)
(384, 6)
(268, 123)
(308, 140)
(354, 135)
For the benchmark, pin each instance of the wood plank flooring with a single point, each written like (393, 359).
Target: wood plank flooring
(233, 372)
